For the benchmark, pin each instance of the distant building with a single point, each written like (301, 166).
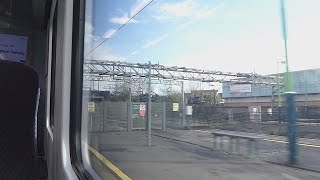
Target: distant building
(306, 84)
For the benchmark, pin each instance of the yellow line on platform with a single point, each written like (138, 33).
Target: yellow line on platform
(106, 162)
(273, 140)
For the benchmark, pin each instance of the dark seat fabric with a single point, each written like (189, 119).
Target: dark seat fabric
(19, 87)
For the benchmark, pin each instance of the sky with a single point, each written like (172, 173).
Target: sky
(224, 35)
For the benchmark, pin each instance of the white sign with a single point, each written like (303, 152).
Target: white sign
(175, 107)
(189, 110)
(254, 110)
(13, 47)
(240, 88)
(142, 107)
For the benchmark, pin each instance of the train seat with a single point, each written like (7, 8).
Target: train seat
(19, 97)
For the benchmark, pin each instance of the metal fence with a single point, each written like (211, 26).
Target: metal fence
(109, 116)
(116, 116)
(173, 116)
(157, 114)
(123, 116)
(97, 118)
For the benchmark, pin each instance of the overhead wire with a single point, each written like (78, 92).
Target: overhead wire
(111, 35)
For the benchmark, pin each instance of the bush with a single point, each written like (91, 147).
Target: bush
(279, 132)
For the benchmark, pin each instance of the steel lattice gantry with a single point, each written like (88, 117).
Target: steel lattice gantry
(105, 70)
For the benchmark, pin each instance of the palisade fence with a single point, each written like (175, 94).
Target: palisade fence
(124, 116)
(109, 116)
(158, 115)
(173, 118)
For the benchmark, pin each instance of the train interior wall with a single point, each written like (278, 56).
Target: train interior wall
(31, 22)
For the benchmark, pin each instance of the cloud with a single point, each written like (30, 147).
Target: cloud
(123, 19)
(189, 9)
(138, 6)
(103, 52)
(134, 53)
(185, 9)
(167, 11)
(133, 11)
(233, 14)
(109, 33)
(244, 55)
(181, 9)
(155, 41)
(88, 29)
(90, 40)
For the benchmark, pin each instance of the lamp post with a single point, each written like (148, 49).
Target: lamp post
(290, 95)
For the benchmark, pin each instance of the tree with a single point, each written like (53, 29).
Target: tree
(121, 92)
(173, 96)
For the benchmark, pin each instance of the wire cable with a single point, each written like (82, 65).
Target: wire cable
(119, 28)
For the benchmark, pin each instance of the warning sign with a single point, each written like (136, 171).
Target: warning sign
(91, 107)
(175, 107)
(142, 111)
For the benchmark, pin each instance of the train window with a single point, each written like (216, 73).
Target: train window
(179, 89)
(53, 66)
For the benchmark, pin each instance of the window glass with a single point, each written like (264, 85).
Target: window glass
(196, 89)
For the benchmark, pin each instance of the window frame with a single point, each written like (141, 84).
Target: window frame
(76, 90)
(53, 65)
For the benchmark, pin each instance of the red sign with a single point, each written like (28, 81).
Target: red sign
(142, 111)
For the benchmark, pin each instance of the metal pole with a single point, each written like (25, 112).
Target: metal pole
(278, 85)
(130, 97)
(183, 106)
(291, 108)
(292, 128)
(305, 95)
(129, 104)
(103, 104)
(129, 111)
(164, 116)
(91, 122)
(272, 97)
(149, 105)
(279, 95)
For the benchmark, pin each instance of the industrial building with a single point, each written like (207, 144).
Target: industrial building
(267, 98)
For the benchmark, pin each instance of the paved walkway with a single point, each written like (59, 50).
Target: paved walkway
(314, 142)
(271, 148)
(169, 159)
